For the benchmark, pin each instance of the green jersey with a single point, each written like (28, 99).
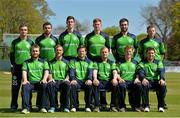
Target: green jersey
(35, 69)
(59, 68)
(81, 69)
(47, 46)
(155, 43)
(120, 41)
(70, 43)
(20, 50)
(127, 70)
(104, 69)
(151, 70)
(94, 43)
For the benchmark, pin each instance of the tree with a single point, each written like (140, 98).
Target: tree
(32, 12)
(141, 36)
(160, 16)
(173, 44)
(166, 17)
(111, 31)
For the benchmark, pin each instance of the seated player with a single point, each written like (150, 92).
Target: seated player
(128, 80)
(81, 78)
(103, 74)
(59, 81)
(35, 72)
(151, 73)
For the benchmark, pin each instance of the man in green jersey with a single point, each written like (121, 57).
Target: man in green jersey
(20, 51)
(47, 42)
(103, 74)
(35, 72)
(152, 41)
(151, 72)
(128, 80)
(59, 81)
(70, 39)
(95, 40)
(81, 78)
(122, 39)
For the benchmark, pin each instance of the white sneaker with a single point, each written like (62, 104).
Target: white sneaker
(146, 109)
(73, 110)
(43, 110)
(88, 110)
(161, 109)
(25, 111)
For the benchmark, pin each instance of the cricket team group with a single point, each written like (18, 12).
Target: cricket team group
(72, 63)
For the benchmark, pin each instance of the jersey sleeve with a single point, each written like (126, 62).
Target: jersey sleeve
(90, 71)
(60, 40)
(113, 66)
(141, 71)
(162, 48)
(95, 66)
(72, 70)
(82, 40)
(24, 66)
(12, 53)
(161, 70)
(46, 66)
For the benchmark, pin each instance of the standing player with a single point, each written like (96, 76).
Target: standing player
(35, 72)
(20, 51)
(151, 72)
(152, 41)
(105, 77)
(128, 80)
(81, 78)
(122, 39)
(70, 39)
(47, 42)
(59, 80)
(95, 40)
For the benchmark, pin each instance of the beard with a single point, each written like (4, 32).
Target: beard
(124, 29)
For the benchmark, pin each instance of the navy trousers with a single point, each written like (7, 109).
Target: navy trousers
(135, 91)
(100, 96)
(64, 88)
(160, 92)
(27, 91)
(74, 94)
(15, 85)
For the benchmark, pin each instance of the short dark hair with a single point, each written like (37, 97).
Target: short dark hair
(82, 46)
(150, 48)
(123, 20)
(150, 26)
(70, 17)
(22, 25)
(47, 23)
(96, 20)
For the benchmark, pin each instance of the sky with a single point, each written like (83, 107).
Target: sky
(109, 11)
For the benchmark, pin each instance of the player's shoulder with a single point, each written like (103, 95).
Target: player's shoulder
(63, 33)
(116, 36)
(90, 35)
(77, 33)
(104, 34)
(131, 35)
(16, 40)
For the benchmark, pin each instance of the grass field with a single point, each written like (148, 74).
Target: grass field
(172, 99)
